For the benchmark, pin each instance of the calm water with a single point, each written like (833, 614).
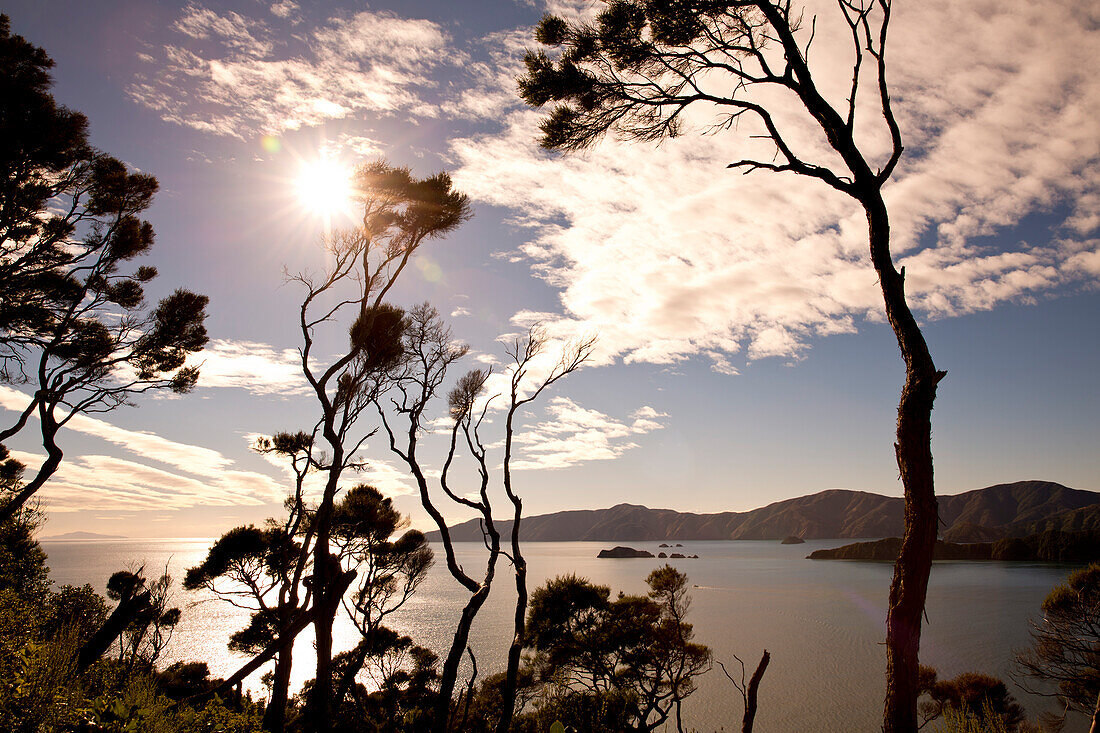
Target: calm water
(822, 621)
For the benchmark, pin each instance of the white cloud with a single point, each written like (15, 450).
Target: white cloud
(286, 9)
(661, 250)
(574, 434)
(255, 367)
(100, 481)
(232, 30)
(241, 82)
(668, 255)
(391, 480)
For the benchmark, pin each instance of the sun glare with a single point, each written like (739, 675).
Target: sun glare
(324, 187)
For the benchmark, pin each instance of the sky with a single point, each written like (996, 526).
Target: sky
(742, 354)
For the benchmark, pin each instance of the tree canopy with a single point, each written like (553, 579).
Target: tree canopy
(73, 318)
(630, 654)
(640, 64)
(1065, 648)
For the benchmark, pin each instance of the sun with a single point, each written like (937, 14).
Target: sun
(324, 187)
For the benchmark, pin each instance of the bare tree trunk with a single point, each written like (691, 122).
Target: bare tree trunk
(347, 679)
(320, 703)
(1095, 728)
(518, 637)
(285, 639)
(449, 677)
(751, 691)
(334, 582)
(111, 629)
(327, 579)
(913, 450)
(508, 693)
(275, 714)
(49, 467)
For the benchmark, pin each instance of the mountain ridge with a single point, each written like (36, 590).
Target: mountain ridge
(1005, 510)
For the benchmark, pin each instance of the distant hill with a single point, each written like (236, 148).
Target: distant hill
(1004, 510)
(83, 536)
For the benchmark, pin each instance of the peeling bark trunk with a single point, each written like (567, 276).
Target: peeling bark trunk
(751, 692)
(913, 450)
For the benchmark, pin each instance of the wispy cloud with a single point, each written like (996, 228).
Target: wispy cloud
(251, 366)
(100, 482)
(668, 256)
(246, 79)
(660, 249)
(390, 479)
(573, 434)
(198, 475)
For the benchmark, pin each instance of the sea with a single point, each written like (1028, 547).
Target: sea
(823, 621)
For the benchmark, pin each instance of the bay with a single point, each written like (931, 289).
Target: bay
(822, 621)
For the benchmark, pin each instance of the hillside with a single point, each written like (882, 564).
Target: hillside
(1004, 510)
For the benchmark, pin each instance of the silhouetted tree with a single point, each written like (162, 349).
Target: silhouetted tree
(400, 213)
(971, 695)
(145, 638)
(403, 685)
(263, 570)
(22, 561)
(522, 352)
(633, 655)
(642, 63)
(72, 319)
(260, 570)
(430, 352)
(141, 622)
(390, 570)
(1065, 644)
(749, 690)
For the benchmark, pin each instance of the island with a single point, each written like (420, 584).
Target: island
(792, 540)
(1049, 546)
(621, 551)
(82, 536)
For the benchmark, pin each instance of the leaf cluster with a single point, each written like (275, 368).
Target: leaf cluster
(73, 317)
(638, 647)
(1065, 647)
(636, 66)
(973, 696)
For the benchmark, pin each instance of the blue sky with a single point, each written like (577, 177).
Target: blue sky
(742, 356)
